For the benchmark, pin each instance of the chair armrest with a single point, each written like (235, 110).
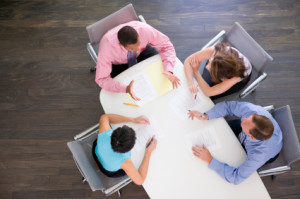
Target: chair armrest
(269, 108)
(117, 187)
(87, 131)
(214, 40)
(273, 171)
(92, 52)
(142, 19)
(253, 85)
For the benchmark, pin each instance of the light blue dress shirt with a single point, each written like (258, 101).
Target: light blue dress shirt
(258, 151)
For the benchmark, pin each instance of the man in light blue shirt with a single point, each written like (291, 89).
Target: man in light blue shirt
(259, 134)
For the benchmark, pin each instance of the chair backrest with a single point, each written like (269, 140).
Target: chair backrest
(98, 29)
(240, 39)
(291, 147)
(82, 154)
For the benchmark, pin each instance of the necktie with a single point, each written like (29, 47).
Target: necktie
(131, 56)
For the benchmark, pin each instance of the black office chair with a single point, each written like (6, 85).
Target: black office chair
(238, 37)
(97, 30)
(290, 152)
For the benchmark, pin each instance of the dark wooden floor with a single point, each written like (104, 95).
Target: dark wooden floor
(47, 94)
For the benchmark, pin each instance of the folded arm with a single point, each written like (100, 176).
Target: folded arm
(216, 89)
(193, 62)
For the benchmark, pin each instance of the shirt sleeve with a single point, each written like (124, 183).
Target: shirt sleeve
(104, 68)
(236, 175)
(232, 108)
(163, 44)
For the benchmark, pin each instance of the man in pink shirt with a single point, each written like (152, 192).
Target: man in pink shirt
(127, 44)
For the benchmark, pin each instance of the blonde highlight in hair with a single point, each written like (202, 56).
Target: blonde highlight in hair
(226, 64)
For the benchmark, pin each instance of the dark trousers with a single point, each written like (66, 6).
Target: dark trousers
(235, 126)
(115, 174)
(206, 76)
(148, 52)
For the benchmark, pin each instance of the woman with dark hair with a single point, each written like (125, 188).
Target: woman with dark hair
(220, 70)
(112, 148)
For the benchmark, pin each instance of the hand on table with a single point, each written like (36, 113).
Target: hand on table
(129, 89)
(173, 79)
(141, 120)
(197, 115)
(202, 153)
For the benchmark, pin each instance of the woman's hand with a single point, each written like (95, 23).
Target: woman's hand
(193, 88)
(141, 120)
(151, 145)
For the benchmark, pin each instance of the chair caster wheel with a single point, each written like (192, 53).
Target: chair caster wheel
(92, 70)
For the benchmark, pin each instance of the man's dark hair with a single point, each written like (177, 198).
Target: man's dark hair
(127, 35)
(263, 129)
(123, 139)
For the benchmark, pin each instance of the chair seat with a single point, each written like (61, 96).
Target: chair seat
(82, 154)
(290, 151)
(238, 37)
(279, 162)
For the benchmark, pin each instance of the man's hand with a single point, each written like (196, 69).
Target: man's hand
(173, 79)
(141, 120)
(129, 89)
(202, 153)
(197, 115)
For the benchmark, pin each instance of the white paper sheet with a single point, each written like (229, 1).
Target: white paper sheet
(145, 132)
(206, 136)
(184, 101)
(142, 87)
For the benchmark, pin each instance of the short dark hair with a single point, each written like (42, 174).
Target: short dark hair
(263, 129)
(127, 35)
(123, 139)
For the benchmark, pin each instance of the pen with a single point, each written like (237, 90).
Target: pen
(149, 142)
(131, 104)
(196, 93)
(200, 115)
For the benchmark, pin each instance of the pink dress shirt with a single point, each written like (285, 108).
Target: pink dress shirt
(111, 52)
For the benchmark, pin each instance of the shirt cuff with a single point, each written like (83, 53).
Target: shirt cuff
(214, 164)
(123, 88)
(211, 114)
(169, 68)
